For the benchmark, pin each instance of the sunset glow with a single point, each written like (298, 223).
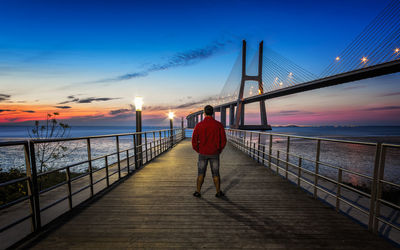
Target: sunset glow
(90, 68)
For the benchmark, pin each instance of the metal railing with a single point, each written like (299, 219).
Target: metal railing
(40, 199)
(380, 214)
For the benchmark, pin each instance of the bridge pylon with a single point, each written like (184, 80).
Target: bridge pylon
(239, 121)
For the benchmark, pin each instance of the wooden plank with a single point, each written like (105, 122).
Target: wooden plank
(155, 209)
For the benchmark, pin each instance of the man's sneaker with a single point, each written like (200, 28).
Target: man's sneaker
(219, 194)
(197, 194)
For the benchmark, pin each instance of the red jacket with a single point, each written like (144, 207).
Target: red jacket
(209, 137)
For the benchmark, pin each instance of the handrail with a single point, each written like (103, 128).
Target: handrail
(312, 138)
(97, 136)
(147, 145)
(283, 162)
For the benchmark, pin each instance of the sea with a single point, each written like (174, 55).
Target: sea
(8, 133)
(358, 158)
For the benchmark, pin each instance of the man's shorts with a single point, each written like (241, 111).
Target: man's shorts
(214, 164)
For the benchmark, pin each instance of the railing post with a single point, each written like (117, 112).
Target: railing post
(35, 187)
(299, 172)
(30, 186)
(172, 137)
(118, 158)
(373, 187)
(317, 168)
(250, 143)
(263, 155)
(107, 176)
(270, 151)
(89, 152)
(340, 176)
(277, 162)
(135, 150)
(381, 171)
(163, 141)
(68, 173)
(140, 145)
(243, 135)
(151, 151)
(258, 147)
(127, 160)
(287, 157)
(154, 144)
(159, 143)
(145, 146)
(254, 150)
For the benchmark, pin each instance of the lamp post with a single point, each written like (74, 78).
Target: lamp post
(138, 107)
(171, 127)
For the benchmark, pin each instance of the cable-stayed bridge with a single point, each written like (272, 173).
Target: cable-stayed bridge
(374, 52)
(134, 190)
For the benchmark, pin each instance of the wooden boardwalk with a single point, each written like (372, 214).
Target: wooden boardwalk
(155, 208)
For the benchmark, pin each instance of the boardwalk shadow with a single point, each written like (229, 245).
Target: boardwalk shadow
(268, 227)
(232, 178)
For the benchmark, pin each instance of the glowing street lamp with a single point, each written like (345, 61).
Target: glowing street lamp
(364, 59)
(171, 115)
(397, 50)
(138, 103)
(337, 58)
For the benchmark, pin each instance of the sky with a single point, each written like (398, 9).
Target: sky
(87, 60)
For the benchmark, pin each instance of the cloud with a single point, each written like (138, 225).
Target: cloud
(383, 108)
(87, 100)
(180, 59)
(4, 97)
(6, 110)
(63, 107)
(295, 112)
(12, 110)
(390, 94)
(86, 118)
(73, 100)
(120, 111)
(12, 119)
(94, 99)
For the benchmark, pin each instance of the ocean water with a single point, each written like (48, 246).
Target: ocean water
(341, 131)
(357, 158)
(21, 132)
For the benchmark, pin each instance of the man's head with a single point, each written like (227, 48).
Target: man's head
(208, 110)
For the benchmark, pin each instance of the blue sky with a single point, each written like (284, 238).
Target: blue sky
(50, 50)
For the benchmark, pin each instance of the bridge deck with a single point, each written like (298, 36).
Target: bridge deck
(155, 209)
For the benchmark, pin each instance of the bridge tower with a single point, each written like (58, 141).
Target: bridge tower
(239, 117)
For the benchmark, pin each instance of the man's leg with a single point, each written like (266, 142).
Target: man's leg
(217, 183)
(202, 167)
(214, 164)
(200, 180)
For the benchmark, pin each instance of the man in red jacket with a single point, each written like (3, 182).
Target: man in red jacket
(208, 140)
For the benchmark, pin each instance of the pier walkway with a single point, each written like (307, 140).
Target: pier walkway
(155, 208)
